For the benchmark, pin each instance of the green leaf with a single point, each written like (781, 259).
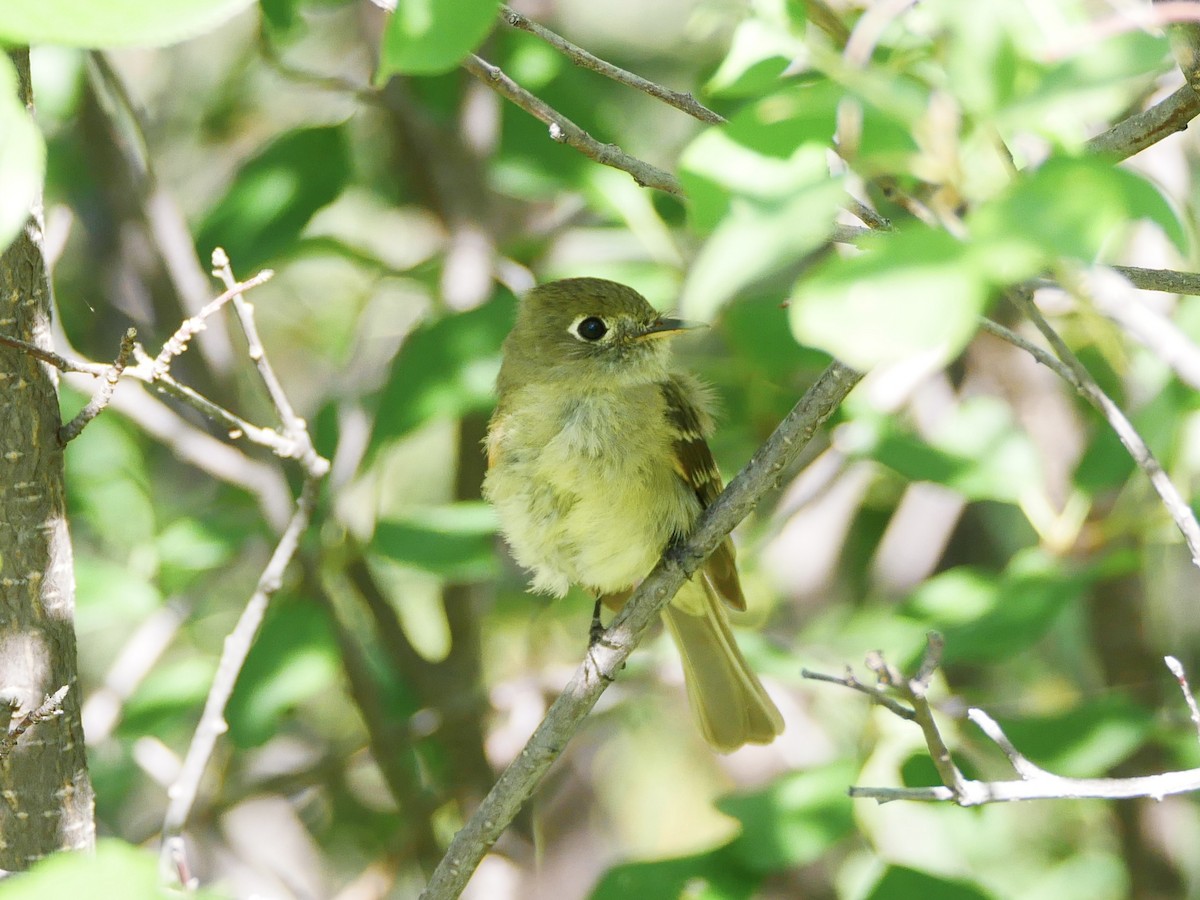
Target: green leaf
(169, 699)
(114, 869)
(22, 157)
(293, 659)
(106, 472)
(1097, 82)
(1070, 207)
(776, 147)
(428, 37)
(705, 876)
(189, 547)
(758, 55)
(112, 598)
(900, 882)
(274, 195)
(910, 293)
(988, 618)
(794, 821)
(455, 542)
(113, 23)
(445, 368)
(977, 449)
(757, 240)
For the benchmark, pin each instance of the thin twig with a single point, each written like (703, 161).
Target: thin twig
(51, 358)
(212, 724)
(192, 325)
(868, 216)
(914, 690)
(103, 393)
(877, 692)
(236, 427)
(294, 427)
(1035, 783)
(604, 661)
(1085, 384)
(564, 131)
(1177, 670)
(49, 708)
(680, 100)
(1016, 758)
(935, 644)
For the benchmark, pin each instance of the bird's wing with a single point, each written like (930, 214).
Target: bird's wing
(695, 465)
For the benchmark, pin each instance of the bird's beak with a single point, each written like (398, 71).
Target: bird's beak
(664, 327)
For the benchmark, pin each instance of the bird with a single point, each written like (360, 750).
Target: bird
(598, 459)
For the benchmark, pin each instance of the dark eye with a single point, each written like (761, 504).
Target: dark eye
(591, 329)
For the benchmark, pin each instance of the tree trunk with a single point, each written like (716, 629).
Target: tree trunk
(45, 793)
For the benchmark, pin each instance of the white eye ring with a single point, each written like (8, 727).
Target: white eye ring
(590, 330)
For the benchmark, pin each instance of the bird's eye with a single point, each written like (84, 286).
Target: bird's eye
(591, 329)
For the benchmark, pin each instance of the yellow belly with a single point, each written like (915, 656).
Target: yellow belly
(586, 491)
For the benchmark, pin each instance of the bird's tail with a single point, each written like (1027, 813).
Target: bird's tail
(729, 701)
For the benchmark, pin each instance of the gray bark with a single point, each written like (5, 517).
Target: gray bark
(46, 801)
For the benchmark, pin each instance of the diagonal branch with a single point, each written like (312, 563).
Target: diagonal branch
(103, 394)
(564, 131)
(236, 648)
(1148, 127)
(604, 661)
(680, 100)
(1078, 377)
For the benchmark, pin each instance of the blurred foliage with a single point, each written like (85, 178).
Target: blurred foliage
(404, 206)
(22, 157)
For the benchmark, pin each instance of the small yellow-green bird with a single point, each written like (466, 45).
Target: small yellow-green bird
(597, 459)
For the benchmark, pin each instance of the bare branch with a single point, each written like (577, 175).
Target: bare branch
(1035, 783)
(1177, 670)
(1016, 759)
(1047, 787)
(49, 708)
(103, 394)
(877, 692)
(1166, 280)
(681, 101)
(294, 427)
(1085, 384)
(190, 444)
(564, 131)
(1146, 128)
(868, 216)
(604, 661)
(51, 358)
(182, 794)
(192, 325)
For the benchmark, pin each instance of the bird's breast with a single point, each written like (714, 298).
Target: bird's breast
(586, 489)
